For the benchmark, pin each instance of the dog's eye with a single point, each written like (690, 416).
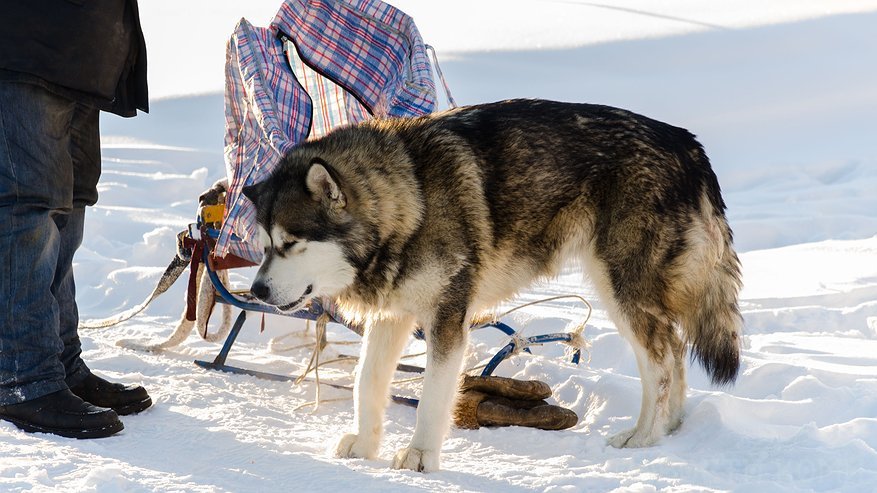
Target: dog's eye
(289, 245)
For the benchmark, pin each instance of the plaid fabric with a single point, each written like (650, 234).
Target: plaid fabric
(332, 105)
(347, 59)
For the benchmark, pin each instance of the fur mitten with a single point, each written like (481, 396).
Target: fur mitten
(500, 401)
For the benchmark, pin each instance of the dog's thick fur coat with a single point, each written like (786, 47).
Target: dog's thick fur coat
(429, 221)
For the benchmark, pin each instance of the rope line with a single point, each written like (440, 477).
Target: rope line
(438, 70)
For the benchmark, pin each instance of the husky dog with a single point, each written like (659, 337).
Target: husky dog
(429, 221)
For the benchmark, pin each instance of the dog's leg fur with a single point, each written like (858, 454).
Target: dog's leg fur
(661, 401)
(444, 361)
(433, 412)
(659, 355)
(384, 341)
(679, 387)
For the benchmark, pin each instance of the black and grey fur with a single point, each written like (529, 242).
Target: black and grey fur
(429, 221)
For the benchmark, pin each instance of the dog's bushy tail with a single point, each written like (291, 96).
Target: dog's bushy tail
(714, 323)
(711, 318)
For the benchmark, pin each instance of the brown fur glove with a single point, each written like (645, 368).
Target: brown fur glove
(500, 401)
(214, 195)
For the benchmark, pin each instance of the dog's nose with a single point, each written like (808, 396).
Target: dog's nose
(260, 290)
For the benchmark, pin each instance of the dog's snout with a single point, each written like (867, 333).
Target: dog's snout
(260, 290)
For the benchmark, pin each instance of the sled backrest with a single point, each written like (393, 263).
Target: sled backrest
(320, 64)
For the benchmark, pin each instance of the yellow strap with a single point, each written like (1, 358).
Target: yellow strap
(212, 213)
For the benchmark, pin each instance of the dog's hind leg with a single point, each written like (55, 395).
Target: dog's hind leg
(656, 346)
(658, 349)
(679, 386)
(446, 344)
(384, 341)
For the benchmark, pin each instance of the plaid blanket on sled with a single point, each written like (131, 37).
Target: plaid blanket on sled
(320, 64)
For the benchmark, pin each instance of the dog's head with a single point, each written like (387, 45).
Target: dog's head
(304, 219)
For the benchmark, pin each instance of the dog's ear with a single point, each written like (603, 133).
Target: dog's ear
(252, 192)
(323, 186)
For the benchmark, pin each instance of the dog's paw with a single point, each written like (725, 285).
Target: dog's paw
(674, 423)
(352, 446)
(632, 439)
(416, 460)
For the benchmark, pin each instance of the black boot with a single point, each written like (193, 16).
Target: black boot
(62, 413)
(124, 399)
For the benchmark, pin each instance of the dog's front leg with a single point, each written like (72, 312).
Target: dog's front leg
(446, 346)
(384, 341)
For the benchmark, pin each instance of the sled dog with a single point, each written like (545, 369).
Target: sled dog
(429, 221)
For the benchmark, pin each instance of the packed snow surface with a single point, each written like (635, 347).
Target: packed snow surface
(782, 95)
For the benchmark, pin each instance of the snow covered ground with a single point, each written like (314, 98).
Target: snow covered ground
(781, 93)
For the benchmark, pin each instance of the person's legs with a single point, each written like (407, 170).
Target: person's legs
(85, 154)
(36, 200)
(36, 184)
(70, 228)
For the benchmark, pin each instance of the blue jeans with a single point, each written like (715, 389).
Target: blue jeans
(49, 168)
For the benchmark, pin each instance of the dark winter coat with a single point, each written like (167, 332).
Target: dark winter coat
(88, 50)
